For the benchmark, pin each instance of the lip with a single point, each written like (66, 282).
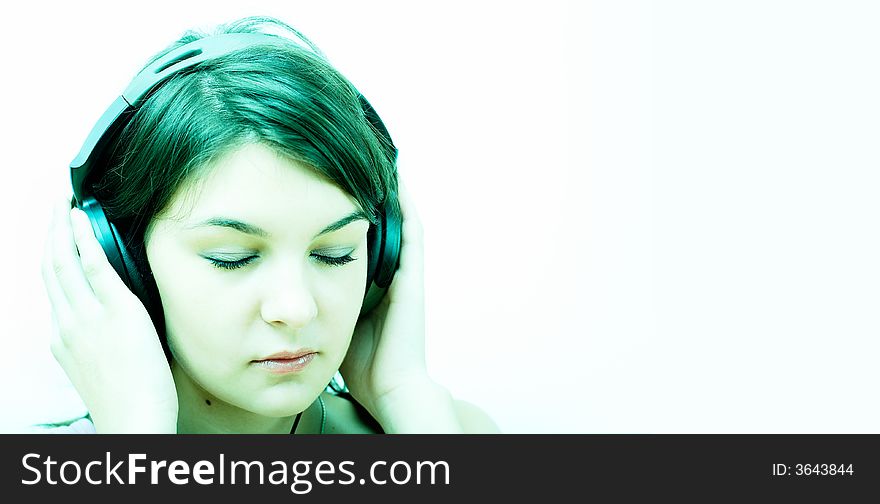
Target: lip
(287, 355)
(286, 362)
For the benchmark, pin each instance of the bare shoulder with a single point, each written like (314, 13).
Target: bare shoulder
(80, 425)
(344, 417)
(474, 420)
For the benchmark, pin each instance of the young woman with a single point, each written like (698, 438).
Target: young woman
(245, 190)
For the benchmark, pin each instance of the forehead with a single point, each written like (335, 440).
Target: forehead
(256, 183)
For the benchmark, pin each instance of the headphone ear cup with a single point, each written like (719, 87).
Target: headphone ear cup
(389, 260)
(383, 243)
(111, 241)
(372, 295)
(374, 250)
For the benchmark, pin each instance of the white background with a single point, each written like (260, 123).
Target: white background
(639, 217)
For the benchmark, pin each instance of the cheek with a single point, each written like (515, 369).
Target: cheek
(203, 320)
(340, 296)
(340, 289)
(353, 292)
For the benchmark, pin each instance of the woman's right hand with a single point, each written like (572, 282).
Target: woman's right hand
(105, 340)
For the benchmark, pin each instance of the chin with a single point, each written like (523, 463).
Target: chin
(278, 406)
(278, 412)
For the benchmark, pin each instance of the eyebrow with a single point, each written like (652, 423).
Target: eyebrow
(250, 229)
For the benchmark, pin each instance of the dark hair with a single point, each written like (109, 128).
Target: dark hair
(289, 99)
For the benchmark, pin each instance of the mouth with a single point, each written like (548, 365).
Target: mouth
(286, 362)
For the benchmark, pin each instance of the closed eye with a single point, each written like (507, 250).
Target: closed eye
(335, 261)
(231, 265)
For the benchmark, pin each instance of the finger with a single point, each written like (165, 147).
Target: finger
(412, 237)
(61, 311)
(411, 220)
(406, 204)
(65, 265)
(56, 342)
(104, 280)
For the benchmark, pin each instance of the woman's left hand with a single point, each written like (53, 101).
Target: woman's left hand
(387, 352)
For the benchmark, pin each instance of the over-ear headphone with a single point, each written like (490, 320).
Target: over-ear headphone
(383, 240)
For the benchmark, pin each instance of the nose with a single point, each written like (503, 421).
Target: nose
(288, 298)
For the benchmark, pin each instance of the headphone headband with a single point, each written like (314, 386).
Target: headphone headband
(192, 54)
(177, 60)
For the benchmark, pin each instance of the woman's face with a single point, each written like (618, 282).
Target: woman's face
(244, 271)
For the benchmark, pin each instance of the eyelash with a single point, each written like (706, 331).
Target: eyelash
(231, 265)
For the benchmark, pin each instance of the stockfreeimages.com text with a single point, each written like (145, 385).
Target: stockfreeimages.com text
(205, 472)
